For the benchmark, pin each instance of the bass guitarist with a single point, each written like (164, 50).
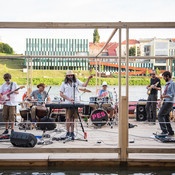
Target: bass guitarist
(9, 108)
(153, 88)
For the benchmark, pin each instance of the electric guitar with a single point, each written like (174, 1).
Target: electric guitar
(150, 88)
(7, 94)
(160, 102)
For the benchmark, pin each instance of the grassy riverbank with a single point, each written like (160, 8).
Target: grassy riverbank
(56, 77)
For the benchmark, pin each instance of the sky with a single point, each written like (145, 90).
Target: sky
(83, 11)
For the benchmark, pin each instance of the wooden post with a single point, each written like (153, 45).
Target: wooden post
(96, 73)
(99, 73)
(27, 76)
(123, 129)
(127, 62)
(31, 68)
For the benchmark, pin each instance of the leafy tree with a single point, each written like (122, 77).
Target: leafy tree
(96, 36)
(147, 73)
(132, 51)
(5, 48)
(157, 71)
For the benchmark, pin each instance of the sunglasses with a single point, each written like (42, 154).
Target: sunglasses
(7, 80)
(70, 75)
(153, 74)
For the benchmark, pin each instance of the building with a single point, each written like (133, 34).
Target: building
(50, 46)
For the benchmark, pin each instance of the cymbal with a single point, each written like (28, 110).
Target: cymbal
(85, 90)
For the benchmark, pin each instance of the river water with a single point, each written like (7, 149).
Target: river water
(135, 92)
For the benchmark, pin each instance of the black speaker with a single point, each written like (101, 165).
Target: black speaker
(141, 112)
(21, 139)
(49, 125)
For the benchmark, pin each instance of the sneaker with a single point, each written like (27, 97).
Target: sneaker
(171, 133)
(67, 134)
(12, 131)
(72, 135)
(163, 133)
(6, 131)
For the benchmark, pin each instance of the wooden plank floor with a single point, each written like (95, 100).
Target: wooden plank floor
(101, 148)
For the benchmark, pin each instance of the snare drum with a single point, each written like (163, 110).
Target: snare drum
(41, 111)
(106, 102)
(99, 117)
(23, 113)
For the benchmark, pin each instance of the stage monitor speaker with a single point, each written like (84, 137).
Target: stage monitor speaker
(20, 139)
(141, 112)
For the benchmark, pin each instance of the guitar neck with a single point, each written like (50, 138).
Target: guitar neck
(13, 91)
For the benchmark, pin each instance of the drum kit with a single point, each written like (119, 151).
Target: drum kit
(96, 109)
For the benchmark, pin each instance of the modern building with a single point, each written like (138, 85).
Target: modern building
(50, 46)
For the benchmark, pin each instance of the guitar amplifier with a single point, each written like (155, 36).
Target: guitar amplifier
(141, 114)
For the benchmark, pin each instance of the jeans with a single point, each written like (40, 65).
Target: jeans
(163, 117)
(151, 107)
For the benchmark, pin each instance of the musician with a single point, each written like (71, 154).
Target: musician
(152, 98)
(69, 92)
(105, 93)
(38, 98)
(168, 100)
(9, 108)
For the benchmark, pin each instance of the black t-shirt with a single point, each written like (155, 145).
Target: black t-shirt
(154, 81)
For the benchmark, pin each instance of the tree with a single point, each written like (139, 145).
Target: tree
(132, 51)
(5, 48)
(147, 73)
(157, 71)
(96, 36)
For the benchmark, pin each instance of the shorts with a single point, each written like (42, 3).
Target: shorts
(8, 113)
(70, 113)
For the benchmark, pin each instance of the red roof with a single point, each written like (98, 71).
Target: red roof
(111, 47)
(131, 41)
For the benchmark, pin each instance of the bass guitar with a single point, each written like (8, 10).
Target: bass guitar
(7, 94)
(150, 88)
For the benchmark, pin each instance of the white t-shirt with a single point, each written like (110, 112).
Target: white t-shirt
(68, 90)
(13, 97)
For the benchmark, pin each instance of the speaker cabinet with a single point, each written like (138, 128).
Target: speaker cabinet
(20, 139)
(141, 112)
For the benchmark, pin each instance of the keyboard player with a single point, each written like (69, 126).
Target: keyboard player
(69, 92)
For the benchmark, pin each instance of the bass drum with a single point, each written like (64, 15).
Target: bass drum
(99, 117)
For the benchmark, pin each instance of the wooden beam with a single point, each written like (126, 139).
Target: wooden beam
(113, 33)
(59, 150)
(85, 25)
(151, 150)
(85, 57)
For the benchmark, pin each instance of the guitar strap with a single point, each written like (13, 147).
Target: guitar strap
(155, 80)
(11, 86)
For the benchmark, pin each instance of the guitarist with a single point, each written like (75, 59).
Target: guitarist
(168, 100)
(9, 108)
(152, 98)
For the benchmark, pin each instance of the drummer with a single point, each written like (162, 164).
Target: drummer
(38, 98)
(105, 93)
(71, 96)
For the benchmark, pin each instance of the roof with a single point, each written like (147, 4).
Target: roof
(131, 42)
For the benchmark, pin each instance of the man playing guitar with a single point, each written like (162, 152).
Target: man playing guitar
(152, 98)
(9, 108)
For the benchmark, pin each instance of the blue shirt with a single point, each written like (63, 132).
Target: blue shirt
(170, 91)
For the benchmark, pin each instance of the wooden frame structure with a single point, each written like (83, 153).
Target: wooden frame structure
(123, 149)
